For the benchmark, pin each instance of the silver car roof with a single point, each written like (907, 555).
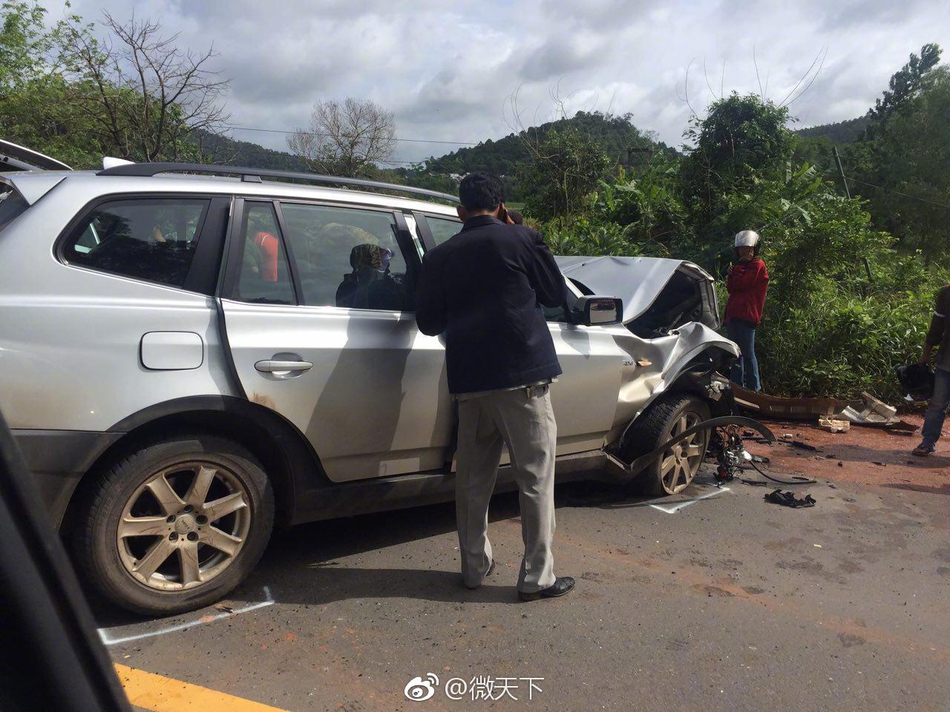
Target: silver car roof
(32, 185)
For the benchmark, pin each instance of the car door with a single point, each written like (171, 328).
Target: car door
(317, 303)
(586, 394)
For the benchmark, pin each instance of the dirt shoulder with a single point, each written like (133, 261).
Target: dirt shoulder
(863, 455)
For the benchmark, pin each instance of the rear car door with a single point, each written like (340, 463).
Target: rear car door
(317, 302)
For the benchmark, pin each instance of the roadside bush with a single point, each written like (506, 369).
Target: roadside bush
(583, 236)
(839, 344)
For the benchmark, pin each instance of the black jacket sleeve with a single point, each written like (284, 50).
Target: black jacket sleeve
(431, 316)
(545, 277)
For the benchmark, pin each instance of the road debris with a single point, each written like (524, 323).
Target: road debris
(834, 426)
(869, 411)
(788, 499)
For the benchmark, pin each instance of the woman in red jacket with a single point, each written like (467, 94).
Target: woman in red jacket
(747, 284)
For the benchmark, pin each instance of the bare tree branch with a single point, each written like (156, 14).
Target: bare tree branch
(346, 139)
(152, 93)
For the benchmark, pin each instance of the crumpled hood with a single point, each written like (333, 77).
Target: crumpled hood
(638, 281)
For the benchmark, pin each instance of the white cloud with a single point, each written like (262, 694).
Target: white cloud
(447, 69)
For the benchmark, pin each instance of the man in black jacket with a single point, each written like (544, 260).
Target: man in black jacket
(484, 289)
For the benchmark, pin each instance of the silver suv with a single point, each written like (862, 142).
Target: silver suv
(189, 354)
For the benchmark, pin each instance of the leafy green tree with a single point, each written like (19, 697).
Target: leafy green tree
(741, 142)
(901, 163)
(906, 84)
(565, 168)
(37, 106)
(647, 206)
(912, 156)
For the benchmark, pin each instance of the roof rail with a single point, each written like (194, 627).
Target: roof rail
(250, 174)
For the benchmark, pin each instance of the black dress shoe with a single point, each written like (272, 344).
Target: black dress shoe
(562, 585)
(487, 574)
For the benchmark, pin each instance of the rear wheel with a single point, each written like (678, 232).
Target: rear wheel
(176, 525)
(675, 469)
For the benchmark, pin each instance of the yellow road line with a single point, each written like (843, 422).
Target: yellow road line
(164, 694)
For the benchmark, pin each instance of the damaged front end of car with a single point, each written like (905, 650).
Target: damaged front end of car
(673, 396)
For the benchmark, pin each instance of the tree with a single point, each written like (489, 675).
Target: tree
(565, 167)
(912, 160)
(742, 141)
(145, 93)
(346, 139)
(906, 83)
(36, 102)
(900, 163)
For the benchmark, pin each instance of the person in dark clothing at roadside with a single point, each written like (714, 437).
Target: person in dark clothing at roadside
(484, 289)
(747, 284)
(938, 335)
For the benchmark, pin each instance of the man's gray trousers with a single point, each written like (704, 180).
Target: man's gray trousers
(523, 420)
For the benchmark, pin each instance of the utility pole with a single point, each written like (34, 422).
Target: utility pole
(847, 191)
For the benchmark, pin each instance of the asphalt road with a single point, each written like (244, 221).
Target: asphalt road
(729, 603)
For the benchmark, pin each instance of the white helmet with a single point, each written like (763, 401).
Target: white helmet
(746, 238)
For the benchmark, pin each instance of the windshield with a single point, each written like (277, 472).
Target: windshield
(12, 205)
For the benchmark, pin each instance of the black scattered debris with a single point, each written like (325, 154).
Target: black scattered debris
(840, 464)
(803, 446)
(788, 499)
(878, 462)
(754, 483)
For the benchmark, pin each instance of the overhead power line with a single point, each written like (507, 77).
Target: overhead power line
(906, 195)
(404, 140)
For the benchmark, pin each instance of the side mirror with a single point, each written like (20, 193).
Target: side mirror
(597, 311)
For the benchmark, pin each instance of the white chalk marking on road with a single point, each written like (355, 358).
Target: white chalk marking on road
(673, 509)
(109, 640)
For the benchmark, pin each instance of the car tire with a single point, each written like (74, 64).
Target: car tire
(176, 525)
(663, 420)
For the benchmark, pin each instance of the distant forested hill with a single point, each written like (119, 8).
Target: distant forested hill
(623, 142)
(841, 132)
(222, 150)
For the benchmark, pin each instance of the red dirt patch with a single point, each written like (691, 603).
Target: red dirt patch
(866, 455)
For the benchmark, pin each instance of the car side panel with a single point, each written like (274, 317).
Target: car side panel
(78, 332)
(585, 395)
(375, 401)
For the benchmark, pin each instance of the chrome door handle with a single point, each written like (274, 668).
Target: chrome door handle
(270, 366)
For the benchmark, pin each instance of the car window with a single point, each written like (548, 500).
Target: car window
(443, 228)
(265, 272)
(347, 257)
(12, 205)
(153, 239)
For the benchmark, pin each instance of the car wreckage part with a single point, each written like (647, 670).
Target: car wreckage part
(176, 525)
(637, 465)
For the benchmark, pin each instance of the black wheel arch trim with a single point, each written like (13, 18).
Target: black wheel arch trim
(287, 455)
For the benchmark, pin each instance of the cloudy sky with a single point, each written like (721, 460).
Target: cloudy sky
(462, 72)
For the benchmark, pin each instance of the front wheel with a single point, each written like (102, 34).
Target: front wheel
(176, 525)
(675, 469)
